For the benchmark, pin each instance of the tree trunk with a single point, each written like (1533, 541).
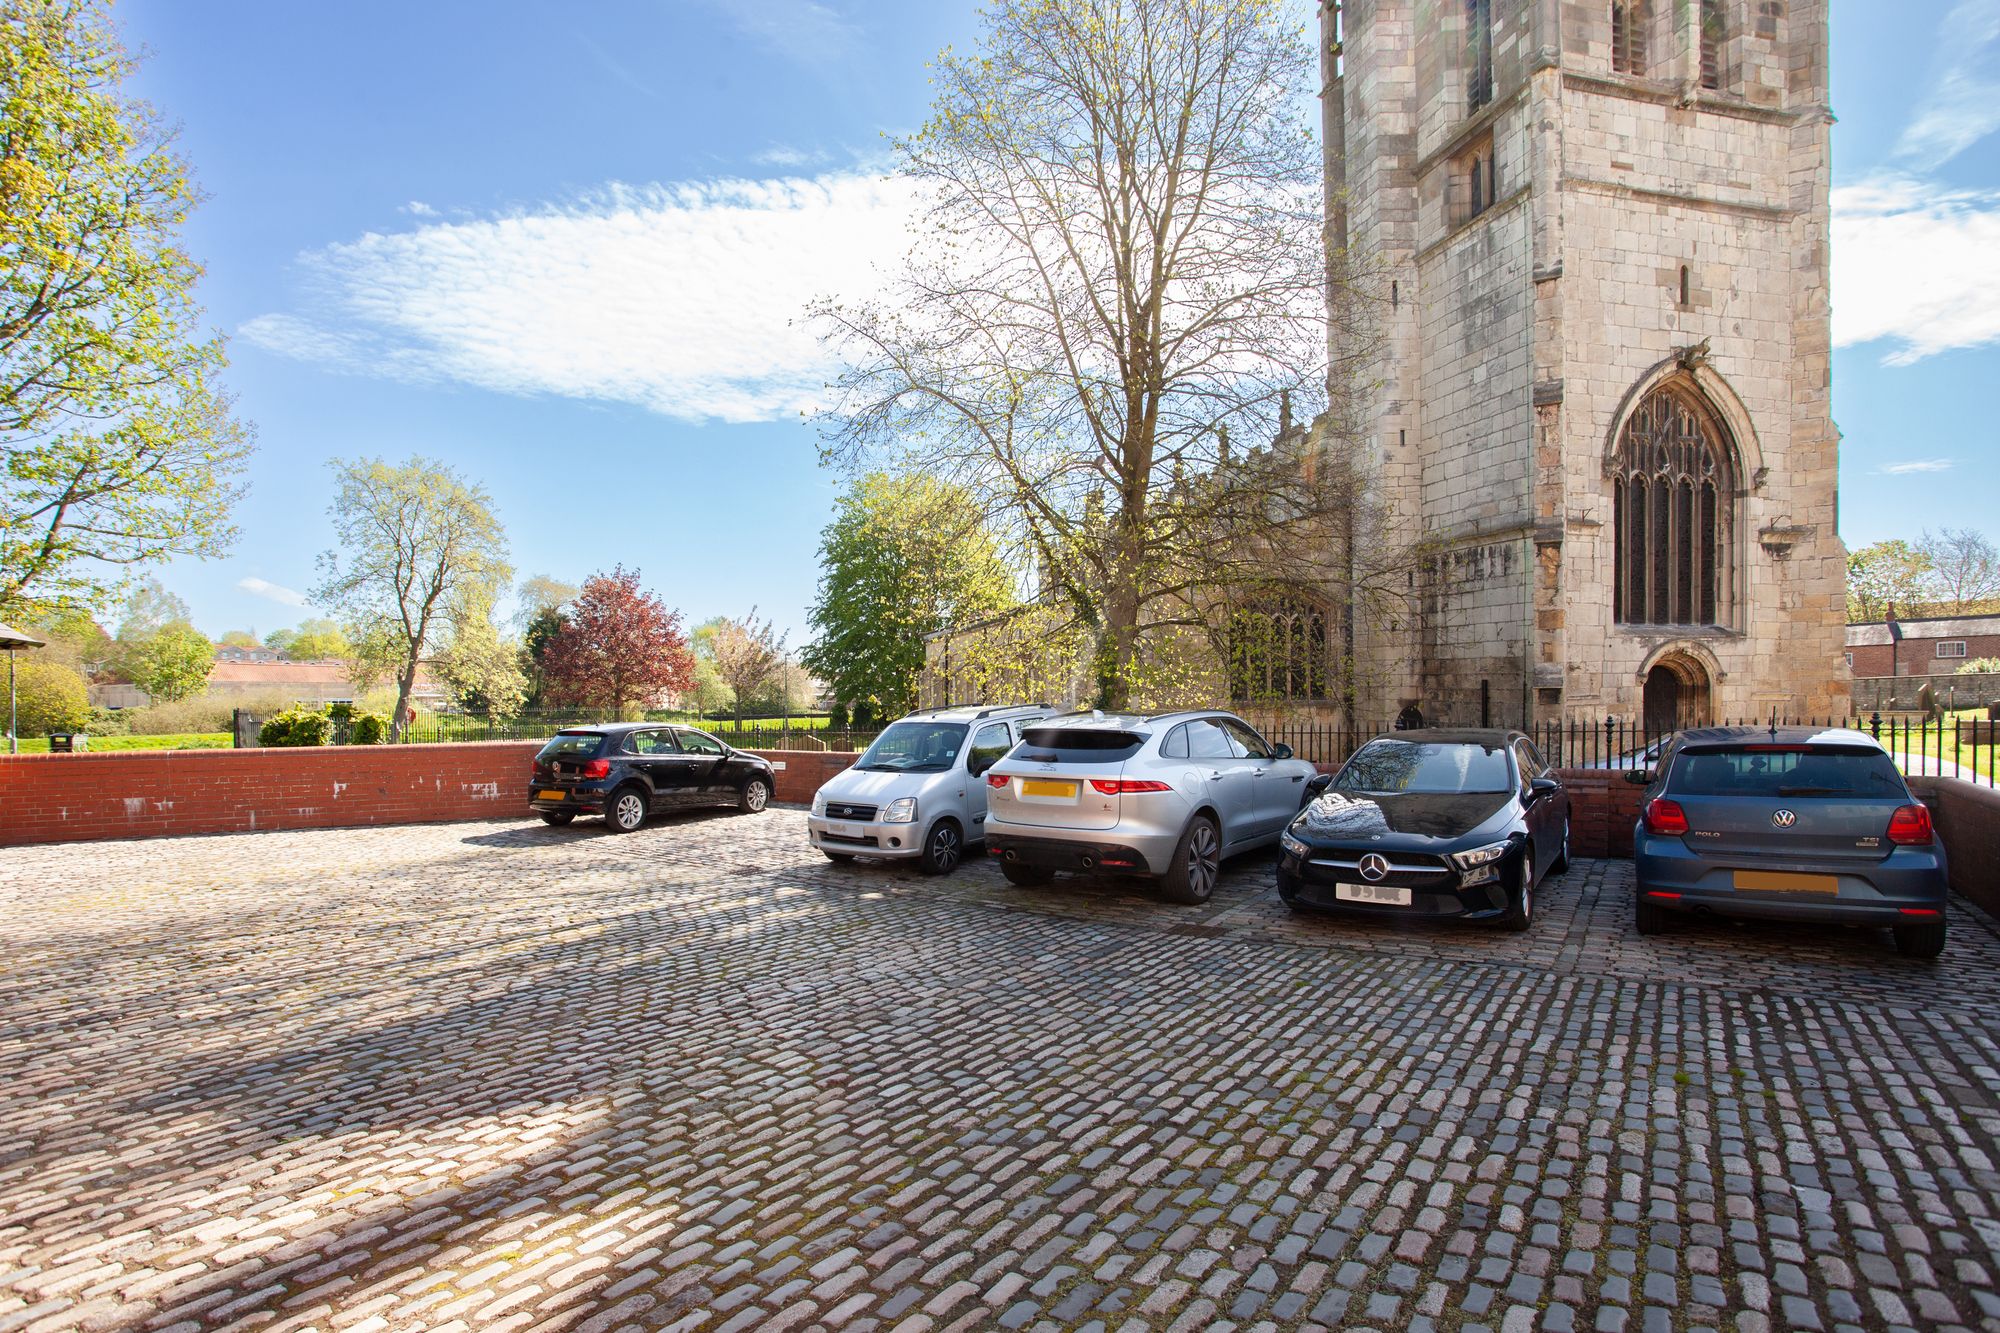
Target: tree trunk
(406, 681)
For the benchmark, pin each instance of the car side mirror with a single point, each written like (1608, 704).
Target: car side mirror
(1541, 787)
(1639, 777)
(1281, 751)
(1317, 784)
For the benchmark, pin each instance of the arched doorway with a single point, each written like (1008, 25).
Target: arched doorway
(1676, 694)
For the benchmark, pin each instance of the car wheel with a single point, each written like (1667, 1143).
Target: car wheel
(1920, 939)
(1649, 918)
(557, 818)
(942, 849)
(1520, 913)
(839, 858)
(1026, 877)
(626, 810)
(1197, 864)
(756, 794)
(1560, 866)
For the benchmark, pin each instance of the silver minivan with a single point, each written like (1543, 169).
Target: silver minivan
(1167, 795)
(919, 792)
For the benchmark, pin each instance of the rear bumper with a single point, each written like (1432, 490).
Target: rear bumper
(1908, 884)
(575, 800)
(1080, 851)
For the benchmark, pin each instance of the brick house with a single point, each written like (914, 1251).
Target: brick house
(1921, 647)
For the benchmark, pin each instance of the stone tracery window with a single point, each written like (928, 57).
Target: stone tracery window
(1278, 650)
(1673, 497)
(1629, 21)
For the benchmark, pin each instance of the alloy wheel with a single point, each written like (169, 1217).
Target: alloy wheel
(630, 811)
(755, 795)
(1203, 863)
(944, 848)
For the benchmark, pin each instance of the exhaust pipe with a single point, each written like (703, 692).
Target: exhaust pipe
(1089, 862)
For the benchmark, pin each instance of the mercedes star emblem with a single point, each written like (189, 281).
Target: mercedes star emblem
(1374, 866)
(1784, 818)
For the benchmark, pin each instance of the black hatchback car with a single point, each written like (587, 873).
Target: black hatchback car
(1431, 823)
(626, 770)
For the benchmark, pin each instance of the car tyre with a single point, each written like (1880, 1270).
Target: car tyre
(838, 858)
(1649, 918)
(1920, 939)
(754, 796)
(626, 809)
(1520, 913)
(1026, 876)
(557, 818)
(1197, 863)
(1561, 864)
(944, 848)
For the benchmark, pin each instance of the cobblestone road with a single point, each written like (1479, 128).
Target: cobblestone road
(495, 1076)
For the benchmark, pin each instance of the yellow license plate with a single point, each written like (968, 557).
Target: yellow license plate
(1043, 787)
(548, 796)
(1784, 881)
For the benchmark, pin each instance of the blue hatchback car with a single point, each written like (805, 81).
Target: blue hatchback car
(1789, 824)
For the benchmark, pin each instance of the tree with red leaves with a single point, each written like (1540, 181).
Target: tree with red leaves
(618, 645)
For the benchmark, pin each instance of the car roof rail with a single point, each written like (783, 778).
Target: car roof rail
(984, 711)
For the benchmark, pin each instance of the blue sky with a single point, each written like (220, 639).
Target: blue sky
(563, 249)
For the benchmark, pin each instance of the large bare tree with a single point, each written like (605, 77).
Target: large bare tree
(1119, 283)
(1965, 567)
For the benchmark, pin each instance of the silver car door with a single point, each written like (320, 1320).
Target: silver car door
(1232, 779)
(1276, 794)
(989, 744)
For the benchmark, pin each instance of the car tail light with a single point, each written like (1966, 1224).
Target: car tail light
(1910, 826)
(997, 780)
(1125, 786)
(1920, 911)
(595, 768)
(1666, 817)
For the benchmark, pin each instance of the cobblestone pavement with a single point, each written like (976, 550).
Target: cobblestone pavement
(496, 1076)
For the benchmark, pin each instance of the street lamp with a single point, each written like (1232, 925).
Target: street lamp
(11, 639)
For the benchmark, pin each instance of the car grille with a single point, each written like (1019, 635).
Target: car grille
(860, 814)
(1406, 869)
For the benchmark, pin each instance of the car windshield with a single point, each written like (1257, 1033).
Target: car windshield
(1398, 767)
(915, 747)
(572, 745)
(1788, 771)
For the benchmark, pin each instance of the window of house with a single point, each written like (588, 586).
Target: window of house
(1629, 21)
(1714, 31)
(1673, 498)
(1278, 651)
(1478, 53)
(1475, 181)
(1850, 660)
(1951, 648)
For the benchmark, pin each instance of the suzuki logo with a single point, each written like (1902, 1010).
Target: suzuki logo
(1374, 866)
(1784, 818)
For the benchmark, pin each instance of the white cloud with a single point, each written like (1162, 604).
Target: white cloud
(685, 300)
(783, 155)
(271, 591)
(1918, 465)
(1962, 102)
(1916, 264)
(803, 31)
(417, 208)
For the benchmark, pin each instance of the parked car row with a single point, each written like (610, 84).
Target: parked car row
(1780, 823)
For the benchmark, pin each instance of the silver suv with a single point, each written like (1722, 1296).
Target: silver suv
(1167, 795)
(919, 792)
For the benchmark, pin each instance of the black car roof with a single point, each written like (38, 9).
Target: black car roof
(1494, 737)
(619, 728)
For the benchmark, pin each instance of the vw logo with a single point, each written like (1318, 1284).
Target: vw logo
(1374, 866)
(1784, 818)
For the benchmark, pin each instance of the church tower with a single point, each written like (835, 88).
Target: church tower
(1598, 231)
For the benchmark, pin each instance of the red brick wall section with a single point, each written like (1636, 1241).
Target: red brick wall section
(171, 793)
(1968, 822)
(1603, 807)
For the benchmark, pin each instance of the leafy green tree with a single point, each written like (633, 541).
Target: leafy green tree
(904, 557)
(75, 640)
(481, 668)
(118, 447)
(238, 638)
(539, 593)
(709, 692)
(749, 654)
(149, 606)
(536, 636)
(316, 640)
(170, 663)
(1888, 573)
(49, 697)
(418, 551)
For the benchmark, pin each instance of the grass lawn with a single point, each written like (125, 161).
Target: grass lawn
(216, 740)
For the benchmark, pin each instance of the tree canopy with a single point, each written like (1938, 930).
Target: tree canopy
(120, 448)
(170, 662)
(1888, 573)
(748, 655)
(904, 557)
(618, 646)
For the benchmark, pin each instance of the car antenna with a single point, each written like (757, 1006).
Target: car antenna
(1774, 724)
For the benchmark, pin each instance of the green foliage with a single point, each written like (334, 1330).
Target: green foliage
(749, 656)
(315, 640)
(238, 638)
(482, 669)
(903, 558)
(1889, 574)
(368, 729)
(170, 663)
(619, 646)
(117, 444)
(296, 726)
(49, 697)
(1980, 666)
(837, 717)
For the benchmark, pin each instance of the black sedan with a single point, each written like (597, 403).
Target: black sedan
(627, 770)
(1431, 823)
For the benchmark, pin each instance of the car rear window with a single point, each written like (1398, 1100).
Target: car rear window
(1432, 767)
(1789, 771)
(573, 745)
(1079, 745)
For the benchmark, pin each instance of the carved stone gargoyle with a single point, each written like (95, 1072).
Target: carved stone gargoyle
(1692, 358)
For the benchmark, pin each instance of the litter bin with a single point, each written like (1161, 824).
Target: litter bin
(68, 742)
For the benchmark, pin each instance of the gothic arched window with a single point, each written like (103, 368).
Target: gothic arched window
(1630, 22)
(1278, 650)
(1674, 498)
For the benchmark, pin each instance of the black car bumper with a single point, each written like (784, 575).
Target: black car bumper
(1304, 883)
(1062, 854)
(581, 799)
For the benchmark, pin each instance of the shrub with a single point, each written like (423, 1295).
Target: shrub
(109, 722)
(201, 714)
(1979, 666)
(836, 718)
(296, 726)
(368, 729)
(49, 697)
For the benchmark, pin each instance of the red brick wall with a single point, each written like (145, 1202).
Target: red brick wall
(1918, 657)
(1603, 807)
(169, 793)
(1968, 822)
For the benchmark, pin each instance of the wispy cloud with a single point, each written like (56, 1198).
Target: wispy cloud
(1962, 103)
(1916, 264)
(1917, 465)
(684, 300)
(271, 591)
(417, 208)
(802, 31)
(784, 155)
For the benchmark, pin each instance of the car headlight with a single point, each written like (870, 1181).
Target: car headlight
(819, 803)
(902, 810)
(1480, 856)
(1292, 845)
